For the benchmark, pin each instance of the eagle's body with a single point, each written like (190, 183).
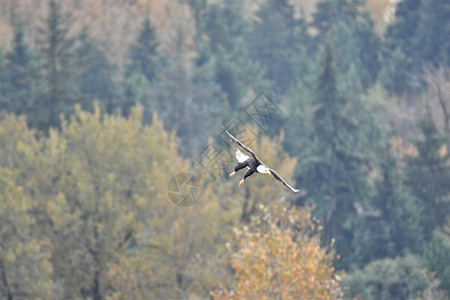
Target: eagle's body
(253, 164)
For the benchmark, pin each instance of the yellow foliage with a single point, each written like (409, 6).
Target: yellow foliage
(91, 214)
(281, 259)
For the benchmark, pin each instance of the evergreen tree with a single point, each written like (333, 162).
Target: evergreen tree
(144, 56)
(335, 171)
(391, 226)
(428, 176)
(21, 87)
(348, 27)
(437, 256)
(419, 35)
(399, 48)
(58, 70)
(433, 32)
(144, 63)
(97, 81)
(398, 278)
(221, 32)
(4, 104)
(275, 42)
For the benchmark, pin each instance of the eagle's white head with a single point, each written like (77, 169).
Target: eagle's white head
(263, 169)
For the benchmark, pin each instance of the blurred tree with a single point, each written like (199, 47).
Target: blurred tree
(335, 172)
(90, 190)
(428, 176)
(391, 226)
(98, 75)
(21, 87)
(58, 70)
(25, 268)
(144, 64)
(433, 31)
(275, 257)
(221, 32)
(399, 53)
(144, 56)
(437, 256)
(399, 278)
(188, 101)
(418, 36)
(4, 77)
(347, 26)
(276, 43)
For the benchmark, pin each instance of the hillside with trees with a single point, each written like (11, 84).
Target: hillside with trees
(105, 105)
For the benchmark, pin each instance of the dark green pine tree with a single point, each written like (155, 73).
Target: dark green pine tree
(390, 227)
(4, 78)
(58, 70)
(428, 176)
(335, 171)
(144, 56)
(21, 86)
(97, 82)
(275, 42)
(144, 63)
(221, 31)
(433, 33)
(348, 27)
(186, 95)
(400, 53)
(418, 36)
(437, 256)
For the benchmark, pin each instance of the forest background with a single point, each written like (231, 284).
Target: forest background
(104, 103)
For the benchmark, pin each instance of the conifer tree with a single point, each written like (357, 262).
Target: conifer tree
(144, 63)
(58, 69)
(428, 176)
(221, 32)
(144, 56)
(97, 81)
(21, 86)
(3, 83)
(348, 27)
(335, 171)
(418, 36)
(275, 43)
(391, 226)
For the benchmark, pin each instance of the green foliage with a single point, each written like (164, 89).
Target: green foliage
(188, 101)
(21, 87)
(98, 76)
(350, 31)
(58, 70)
(221, 33)
(428, 176)
(400, 278)
(391, 225)
(3, 82)
(143, 66)
(144, 56)
(335, 171)
(437, 257)
(417, 37)
(275, 42)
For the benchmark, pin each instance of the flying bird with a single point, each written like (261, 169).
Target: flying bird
(253, 164)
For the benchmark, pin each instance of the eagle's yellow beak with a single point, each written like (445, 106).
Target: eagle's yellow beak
(268, 172)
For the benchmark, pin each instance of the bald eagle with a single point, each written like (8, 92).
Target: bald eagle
(253, 164)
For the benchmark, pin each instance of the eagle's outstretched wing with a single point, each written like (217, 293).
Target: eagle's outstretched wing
(277, 177)
(239, 143)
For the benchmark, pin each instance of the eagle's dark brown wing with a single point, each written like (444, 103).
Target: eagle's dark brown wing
(235, 140)
(278, 177)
